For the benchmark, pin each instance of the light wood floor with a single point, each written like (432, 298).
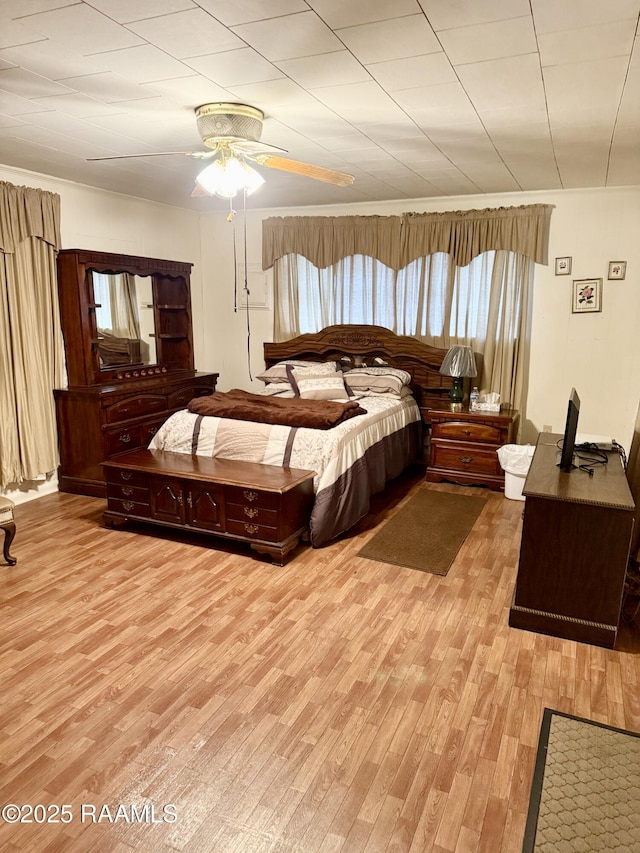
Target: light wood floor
(333, 704)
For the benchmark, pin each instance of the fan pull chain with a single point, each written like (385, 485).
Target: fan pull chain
(246, 284)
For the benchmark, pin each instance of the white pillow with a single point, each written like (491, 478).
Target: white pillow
(323, 386)
(278, 372)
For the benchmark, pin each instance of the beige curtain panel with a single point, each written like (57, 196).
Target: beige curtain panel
(28, 212)
(31, 347)
(396, 241)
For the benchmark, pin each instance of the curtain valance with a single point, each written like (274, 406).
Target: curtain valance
(398, 240)
(28, 212)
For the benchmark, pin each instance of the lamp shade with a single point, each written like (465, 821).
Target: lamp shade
(459, 361)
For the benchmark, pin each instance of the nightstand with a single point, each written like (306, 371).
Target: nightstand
(464, 446)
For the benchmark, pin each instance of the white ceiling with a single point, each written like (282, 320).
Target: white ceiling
(416, 98)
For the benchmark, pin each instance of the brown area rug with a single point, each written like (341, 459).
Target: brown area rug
(585, 796)
(427, 532)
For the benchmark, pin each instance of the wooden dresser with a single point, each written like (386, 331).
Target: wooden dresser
(264, 505)
(120, 388)
(463, 445)
(576, 534)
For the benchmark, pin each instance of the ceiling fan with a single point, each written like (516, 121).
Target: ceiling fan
(232, 134)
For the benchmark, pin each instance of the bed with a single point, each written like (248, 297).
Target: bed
(390, 379)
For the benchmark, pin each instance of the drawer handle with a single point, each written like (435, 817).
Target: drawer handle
(251, 528)
(126, 475)
(466, 431)
(128, 505)
(125, 438)
(190, 499)
(465, 459)
(250, 511)
(127, 490)
(250, 496)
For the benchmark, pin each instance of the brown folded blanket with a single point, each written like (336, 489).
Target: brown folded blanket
(245, 406)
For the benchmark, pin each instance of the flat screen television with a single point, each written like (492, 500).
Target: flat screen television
(569, 439)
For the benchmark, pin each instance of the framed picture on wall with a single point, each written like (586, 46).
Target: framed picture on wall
(586, 295)
(617, 269)
(563, 266)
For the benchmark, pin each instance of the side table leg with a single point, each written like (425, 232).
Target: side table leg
(9, 528)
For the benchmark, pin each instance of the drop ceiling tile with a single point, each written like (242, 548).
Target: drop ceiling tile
(337, 13)
(585, 92)
(13, 33)
(270, 94)
(302, 34)
(235, 67)
(443, 97)
(382, 133)
(361, 103)
(552, 16)
(193, 90)
(587, 43)
(18, 81)
(82, 29)
(12, 105)
(445, 14)
(489, 41)
(326, 69)
(124, 11)
(45, 57)
(78, 105)
(232, 12)
(399, 74)
(108, 87)
(12, 121)
(144, 64)
(502, 82)
(396, 38)
(185, 34)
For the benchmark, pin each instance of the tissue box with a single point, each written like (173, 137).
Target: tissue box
(482, 406)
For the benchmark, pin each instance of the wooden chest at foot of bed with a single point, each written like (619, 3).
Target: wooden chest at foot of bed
(264, 505)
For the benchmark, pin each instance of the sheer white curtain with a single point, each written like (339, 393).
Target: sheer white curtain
(483, 305)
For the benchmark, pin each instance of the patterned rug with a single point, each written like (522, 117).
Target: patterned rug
(585, 796)
(426, 532)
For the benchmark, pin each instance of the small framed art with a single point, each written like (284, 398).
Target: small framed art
(587, 295)
(563, 266)
(617, 269)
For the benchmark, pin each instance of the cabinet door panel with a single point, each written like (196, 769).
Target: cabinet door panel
(167, 500)
(206, 506)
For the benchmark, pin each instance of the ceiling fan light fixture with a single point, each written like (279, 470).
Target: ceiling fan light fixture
(225, 178)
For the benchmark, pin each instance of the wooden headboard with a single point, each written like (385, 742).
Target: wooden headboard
(368, 342)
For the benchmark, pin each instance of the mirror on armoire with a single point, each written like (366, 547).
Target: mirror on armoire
(125, 324)
(124, 317)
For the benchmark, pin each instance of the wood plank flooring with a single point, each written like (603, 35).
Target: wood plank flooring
(335, 704)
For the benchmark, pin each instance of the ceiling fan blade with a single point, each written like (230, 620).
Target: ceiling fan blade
(252, 149)
(318, 173)
(199, 155)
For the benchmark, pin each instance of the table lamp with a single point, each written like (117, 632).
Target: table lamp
(458, 363)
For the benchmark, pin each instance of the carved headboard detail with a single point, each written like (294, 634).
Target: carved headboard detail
(368, 342)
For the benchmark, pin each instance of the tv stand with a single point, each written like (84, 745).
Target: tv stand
(576, 534)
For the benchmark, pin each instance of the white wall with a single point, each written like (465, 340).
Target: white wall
(599, 353)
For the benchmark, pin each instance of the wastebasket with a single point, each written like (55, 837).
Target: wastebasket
(515, 460)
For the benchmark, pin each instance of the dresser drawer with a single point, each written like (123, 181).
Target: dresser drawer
(127, 437)
(464, 457)
(252, 513)
(127, 492)
(118, 476)
(127, 506)
(135, 407)
(180, 399)
(251, 530)
(467, 431)
(252, 497)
